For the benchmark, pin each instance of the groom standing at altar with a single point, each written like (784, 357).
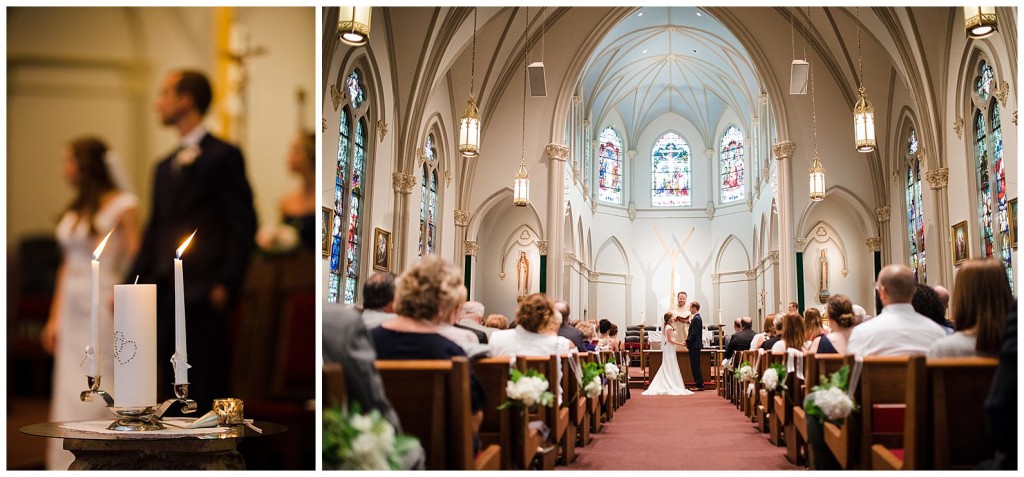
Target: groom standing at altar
(694, 342)
(200, 186)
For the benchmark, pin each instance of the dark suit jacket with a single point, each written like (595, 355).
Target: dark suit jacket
(211, 196)
(479, 334)
(572, 334)
(694, 340)
(740, 342)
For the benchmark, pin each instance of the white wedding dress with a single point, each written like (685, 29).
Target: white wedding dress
(668, 381)
(73, 333)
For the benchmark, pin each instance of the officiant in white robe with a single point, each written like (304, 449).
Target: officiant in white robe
(681, 308)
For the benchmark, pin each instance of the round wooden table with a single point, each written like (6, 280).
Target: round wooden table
(113, 452)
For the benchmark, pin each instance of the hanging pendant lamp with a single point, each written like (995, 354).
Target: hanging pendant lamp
(521, 183)
(863, 112)
(469, 123)
(354, 25)
(980, 22)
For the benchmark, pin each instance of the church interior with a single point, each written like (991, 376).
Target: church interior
(612, 157)
(97, 72)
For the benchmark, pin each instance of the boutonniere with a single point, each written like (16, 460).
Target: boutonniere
(188, 155)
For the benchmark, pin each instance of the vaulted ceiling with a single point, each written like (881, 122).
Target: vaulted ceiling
(662, 60)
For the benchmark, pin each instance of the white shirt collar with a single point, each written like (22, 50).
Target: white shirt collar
(193, 137)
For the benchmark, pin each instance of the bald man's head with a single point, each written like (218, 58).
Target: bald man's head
(747, 322)
(563, 308)
(943, 294)
(896, 284)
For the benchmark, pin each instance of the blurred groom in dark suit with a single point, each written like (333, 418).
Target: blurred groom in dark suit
(694, 342)
(201, 186)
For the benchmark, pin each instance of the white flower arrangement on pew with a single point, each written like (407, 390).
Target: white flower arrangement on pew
(611, 370)
(829, 400)
(527, 389)
(592, 386)
(357, 441)
(774, 377)
(745, 372)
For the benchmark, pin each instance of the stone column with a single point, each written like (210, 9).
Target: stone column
(461, 224)
(875, 247)
(403, 185)
(938, 179)
(557, 154)
(882, 216)
(783, 152)
(472, 248)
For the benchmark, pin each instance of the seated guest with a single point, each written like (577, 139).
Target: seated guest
(812, 326)
(840, 312)
(430, 294)
(741, 339)
(1001, 404)
(898, 330)
(860, 315)
(535, 313)
(776, 320)
(793, 307)
(981, 300)
(568, 328)
(378, 299)
(769, 330)
(928, 303)
(497, 322)
(603, 328)
(793, 336)
(943, 294)
(613, 338)
(587, 328)
(473, 320)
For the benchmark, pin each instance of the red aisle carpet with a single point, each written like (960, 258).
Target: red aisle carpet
(697, 432)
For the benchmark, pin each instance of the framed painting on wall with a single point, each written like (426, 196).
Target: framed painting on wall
(961, 244)
(327, 216)
(381, 250)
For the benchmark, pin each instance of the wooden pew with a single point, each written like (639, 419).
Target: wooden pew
(497, 425)
(567, 450)
(432, 400)
(333, 386)
(746, 399)
(579, 413)
(611, 395)
(882, 391)
(556, 417)
(765, 398)
(776, 419)
(783, 410)
(945, 410)
(816, 366)
(594, 403)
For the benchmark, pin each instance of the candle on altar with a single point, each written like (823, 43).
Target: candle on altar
(93, 350)
(180, 358)
(135, 345)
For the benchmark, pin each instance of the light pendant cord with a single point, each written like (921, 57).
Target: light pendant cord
(522, 149)
(860, 56)
(814, 118)
(472, 65)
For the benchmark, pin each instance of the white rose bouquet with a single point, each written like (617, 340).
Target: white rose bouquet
(356, 441)
(774, 377)
(611, 370)
(591, 380)
(528, 389)
(829, 400)
(746, 373)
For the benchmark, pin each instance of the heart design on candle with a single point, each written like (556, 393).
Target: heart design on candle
(121, 348)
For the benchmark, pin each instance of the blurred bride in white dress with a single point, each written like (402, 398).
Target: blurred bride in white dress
(668, 381)
(99, 205)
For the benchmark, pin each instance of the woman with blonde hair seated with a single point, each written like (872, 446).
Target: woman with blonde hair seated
(498, 322)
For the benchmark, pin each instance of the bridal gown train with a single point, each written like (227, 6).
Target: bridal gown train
(668, 381)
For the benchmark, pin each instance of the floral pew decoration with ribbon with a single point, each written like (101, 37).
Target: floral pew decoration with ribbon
(831, 400)
(774, 377)
(591, 381)
(357, 441)
(527, 389)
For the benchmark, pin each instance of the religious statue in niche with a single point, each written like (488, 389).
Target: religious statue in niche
(522, 275)
(823, 293)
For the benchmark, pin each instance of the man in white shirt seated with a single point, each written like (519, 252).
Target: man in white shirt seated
(898, 330)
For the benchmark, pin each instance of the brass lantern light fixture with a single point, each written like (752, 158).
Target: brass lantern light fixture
(469, 123)
(863, 111)
(980, 22)
(354, 25)
(521, 183)
(817, 177)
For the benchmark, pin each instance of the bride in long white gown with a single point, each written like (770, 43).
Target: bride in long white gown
(668, 381)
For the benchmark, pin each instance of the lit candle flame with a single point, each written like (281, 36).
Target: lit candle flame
(181, 249)
(99, 250)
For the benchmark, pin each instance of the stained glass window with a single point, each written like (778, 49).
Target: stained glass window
(670, 171)
(1001, 199)
(915, 209)
(983, 83)
(588, 157)
(609, 175)
(356, 92)
(984, 189)
(349, 194)
(732, 165)
(428, 198)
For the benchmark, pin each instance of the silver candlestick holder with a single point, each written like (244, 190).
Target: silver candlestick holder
(94, 388)
(136, 418)
(188, 406)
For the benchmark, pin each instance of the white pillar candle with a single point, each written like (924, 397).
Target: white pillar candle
(92, 352)
(135, 345)
(180, 357)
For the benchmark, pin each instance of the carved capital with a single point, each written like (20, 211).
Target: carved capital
(336, 96)
(382, 129)
(1015, 118)
(631, 211)
(569, 257)
(556, 152)
(403, 183)
(631, 154)
(462, 217)
(715, 278)
(874, 244)
(586, 190)
(323, 125)
(710, 210)
(882, 213)
(593, 276)
(958, 127)
(1000, 93)
(575, 175)
(542, 245)
(800, 244)
(773, 256)
(628, 279)
(709, 153)
(938, 178)
(755, 121)
(784, 150)
(471, 247)
(764, 98)
(751, 274)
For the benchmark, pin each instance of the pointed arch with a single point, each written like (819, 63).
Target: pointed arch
(732, 241)
(494, 202)
(867, 219)
(612, 246)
